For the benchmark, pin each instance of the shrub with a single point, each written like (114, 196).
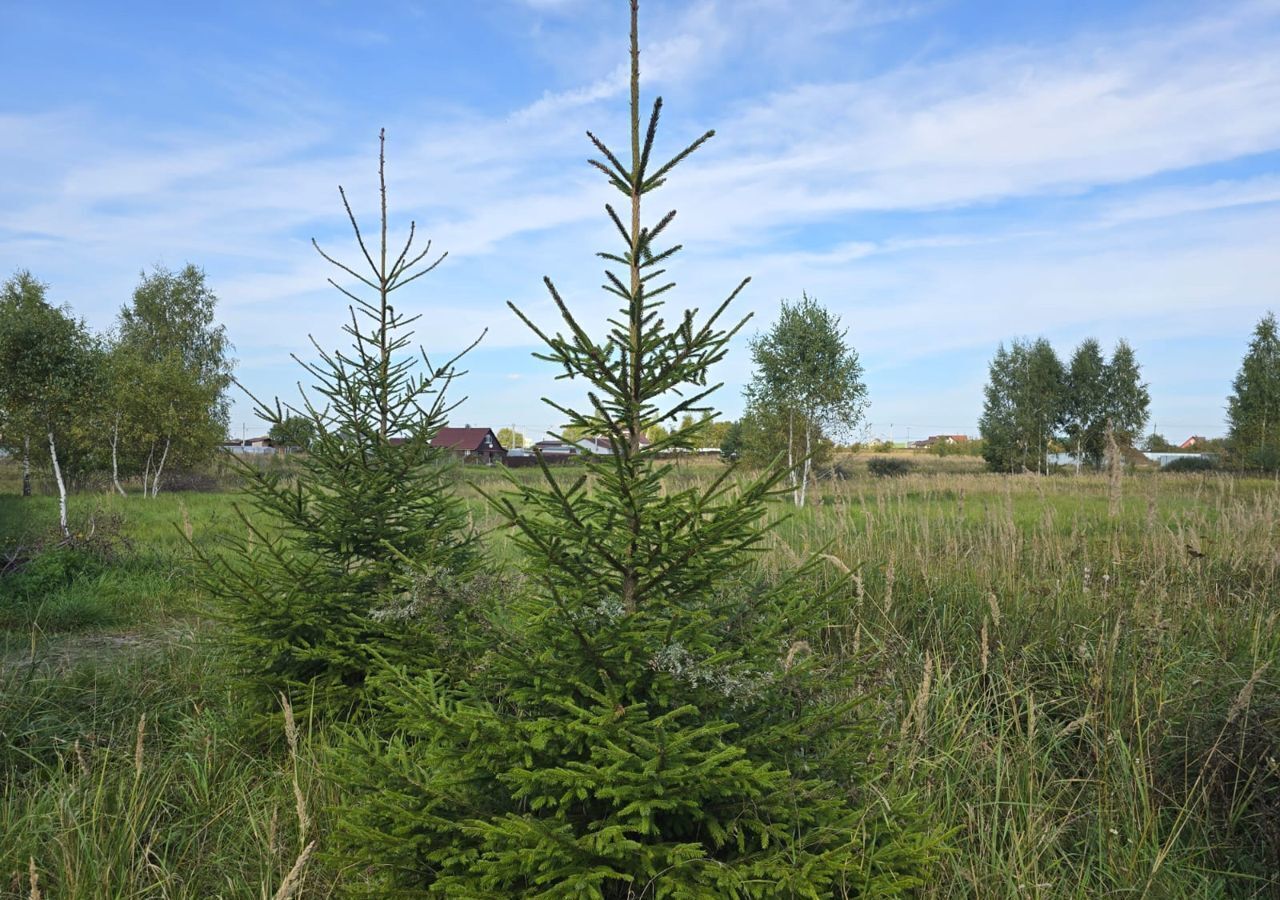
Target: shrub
(653, 718)
(888, 467)
(1190, 464)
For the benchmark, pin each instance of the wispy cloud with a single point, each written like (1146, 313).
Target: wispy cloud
(938, 201)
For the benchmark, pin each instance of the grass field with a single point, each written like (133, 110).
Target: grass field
(1079, 678)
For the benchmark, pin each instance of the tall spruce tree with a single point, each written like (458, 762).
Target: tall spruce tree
(651, 722)
(1253, 409)
(368, 519)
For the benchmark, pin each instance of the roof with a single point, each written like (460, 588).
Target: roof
(555, 447)
(465, 439)
(603, 444)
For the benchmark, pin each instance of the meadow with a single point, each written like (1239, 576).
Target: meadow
(1076, 676)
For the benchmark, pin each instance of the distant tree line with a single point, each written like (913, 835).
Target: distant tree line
(1033, 402)
(140, 401)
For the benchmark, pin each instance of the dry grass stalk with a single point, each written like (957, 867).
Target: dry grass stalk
(888, 587)
(34, 878)
(1031, 717)
(139, 746)
(917, 711)
(1241, 703)
(986, 646)
(291, 735)
(187, 528)
(994, 604)
(792, 652)
(837, 562)
(1115, 471)
(293, 881)
(80, 759)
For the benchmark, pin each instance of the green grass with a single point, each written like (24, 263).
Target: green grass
(1082, 685)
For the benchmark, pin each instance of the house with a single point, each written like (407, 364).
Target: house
(477, 445)
(602, 445)
(1194, 441)
(555, 448)
(262, 444)
(934, 440)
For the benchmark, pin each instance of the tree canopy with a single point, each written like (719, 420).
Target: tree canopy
(807, 386)
(1032, 401)
(1024, 404)
(50, 382)
(1253, 409)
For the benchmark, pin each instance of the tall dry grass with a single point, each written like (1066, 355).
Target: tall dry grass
(1088, 701)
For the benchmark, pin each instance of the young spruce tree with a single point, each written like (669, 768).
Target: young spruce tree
(366, 517)
(653, 722)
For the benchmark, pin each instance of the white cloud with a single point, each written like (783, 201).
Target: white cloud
(1080, 123)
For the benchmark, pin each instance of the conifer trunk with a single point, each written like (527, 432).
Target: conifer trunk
(384, 360)
(630, 582)
(62, 488)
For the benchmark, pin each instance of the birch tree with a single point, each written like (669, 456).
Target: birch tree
(1086, 404)
(171, 373)
(46, 356)
(810, 378)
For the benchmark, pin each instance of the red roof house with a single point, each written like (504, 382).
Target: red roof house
(478, 445)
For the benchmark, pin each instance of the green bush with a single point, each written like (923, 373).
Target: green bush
(888, 467)
(1190, 464)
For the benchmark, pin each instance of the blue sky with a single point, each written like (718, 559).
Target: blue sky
(944, 175)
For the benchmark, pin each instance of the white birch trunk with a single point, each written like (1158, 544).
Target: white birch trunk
(26, 466)
(146, 470)
(155, 479)
(791, 461)
(62, 488)
(115, 465)
(808, 460)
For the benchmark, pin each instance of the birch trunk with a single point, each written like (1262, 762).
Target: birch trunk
(791, 461)
(155, 479)
(26, 466)
(808, 460)
(62, 488)
(146, 470)
(115, 465)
